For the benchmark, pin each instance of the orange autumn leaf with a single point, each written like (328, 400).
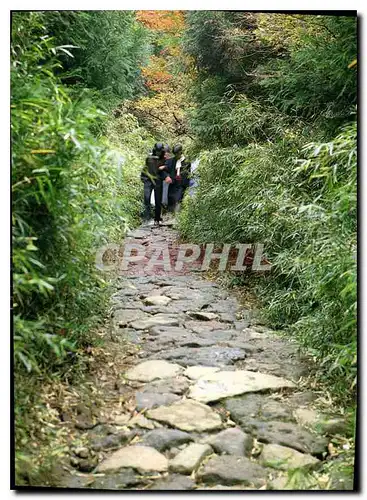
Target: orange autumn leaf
(162, 20)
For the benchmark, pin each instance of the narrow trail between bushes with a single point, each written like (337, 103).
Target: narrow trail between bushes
(196, 393)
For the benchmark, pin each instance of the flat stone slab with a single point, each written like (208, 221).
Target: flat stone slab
(178, 337)
(187, 415)
(156, 320)
(257, 406)
(223, 335)
(157, 300)
(246, 346)
(333, 426)
(322, 423)
(170, 332)
(287, 368)
(139, 234)
(117, 481)
(272, 422)
(287, 434)
(224, 384)
(227, 317)
(195, 341)
(168, 223)
(141, 421)
(130, 303)
(298, 399)
(241, 324)
(275, 410)
(203, 327)
(229, 305)
(205, 356)
(232, 442)
(282, 457)
(251, 334)
(183, 305)
(203, 316)
(130, 335)
(177, 293)
(142, 458)
(190, 458)
(174, 482)
(113, 440)
(123, 317)
(196, 372)
(122, 419)
(307, 417)
(153, 369)
(177, 385)
(162, 439)
(230, 469)
(153, 399)
(200, 284)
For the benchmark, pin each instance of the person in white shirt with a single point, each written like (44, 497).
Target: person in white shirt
(165, 185)
(177, 175)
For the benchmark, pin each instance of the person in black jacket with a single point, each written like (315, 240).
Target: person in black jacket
(177, 175)
(152, 177)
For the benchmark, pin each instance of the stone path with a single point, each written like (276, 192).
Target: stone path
(215, 397)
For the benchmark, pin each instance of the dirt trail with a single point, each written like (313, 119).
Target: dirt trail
(206, 397)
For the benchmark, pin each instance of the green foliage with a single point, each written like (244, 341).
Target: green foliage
(234, 119)
(306, 217)
(103, 50)
(71, 194)
(270, 110)
(202, 39)
(314, 79)
(299, 65)
(205, 119)
(223, 43)
(293, 83)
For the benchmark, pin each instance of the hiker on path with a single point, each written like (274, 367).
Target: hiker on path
(177, 175)
(165, 185)
(152, 177)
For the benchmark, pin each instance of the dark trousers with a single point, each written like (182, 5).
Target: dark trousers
(176, 192)
(149, 186)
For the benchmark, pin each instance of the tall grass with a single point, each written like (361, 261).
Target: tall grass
(276, 136)
(72, 192)
(301, 203)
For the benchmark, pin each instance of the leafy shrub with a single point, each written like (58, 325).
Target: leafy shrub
(224, 43)
(294, 82)
(305, 214)
(71, 194)
(314, 79)
(108, 49)
(205, 119)
(304, 65)
(237, 120)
